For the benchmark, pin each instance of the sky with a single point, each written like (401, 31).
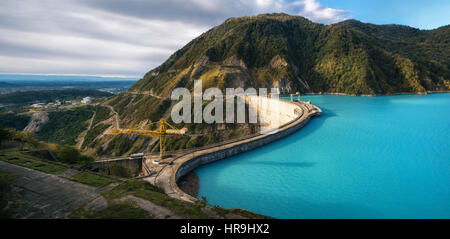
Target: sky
(131, 37)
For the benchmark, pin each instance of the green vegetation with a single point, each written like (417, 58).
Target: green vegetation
(70, 155)
(149, 192)
(120, 145)
(268, 50)
(16, 121)
(184, 209)
(349, 57)
(41, 151)
(63, 127)
(45, 96)
(6, 180)
(92, 179)
(101, 113)
(123, 210)
(32, 162)
(57, 129)
(5, 134)
(289, 52)
(142, 107)
(20, 139)
(118, 208)
(93, 133)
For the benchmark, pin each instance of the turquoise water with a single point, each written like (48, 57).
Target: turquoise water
(365, 157)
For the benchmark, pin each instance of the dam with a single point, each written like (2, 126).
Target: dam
(290, 117)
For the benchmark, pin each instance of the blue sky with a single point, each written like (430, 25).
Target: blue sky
(131, 37)
(423, 14)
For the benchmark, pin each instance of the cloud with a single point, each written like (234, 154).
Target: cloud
(205, 12)
(315, 11)
(117, 36)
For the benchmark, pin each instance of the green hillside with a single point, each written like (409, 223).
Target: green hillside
(25, 97)
(287, 52)
(296, 54)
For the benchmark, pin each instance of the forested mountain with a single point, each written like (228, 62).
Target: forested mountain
(296, 54)
(288, 52)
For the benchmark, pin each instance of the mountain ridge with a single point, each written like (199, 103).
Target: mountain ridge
(288, 52)
(308, 48)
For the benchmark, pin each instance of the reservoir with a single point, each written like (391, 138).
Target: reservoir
(364, 157)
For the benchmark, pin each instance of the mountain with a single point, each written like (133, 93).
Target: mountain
(288, 52)
(296, 54)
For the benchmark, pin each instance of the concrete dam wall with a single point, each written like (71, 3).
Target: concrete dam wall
(281, 118)
(274, 113)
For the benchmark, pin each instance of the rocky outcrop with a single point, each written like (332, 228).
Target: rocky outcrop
(37, 120)
(278, 62)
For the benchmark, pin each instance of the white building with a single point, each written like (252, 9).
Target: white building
(40, 105)
(86, 100)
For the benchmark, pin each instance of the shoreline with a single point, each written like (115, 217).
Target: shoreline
(373, 95)
(189, 184)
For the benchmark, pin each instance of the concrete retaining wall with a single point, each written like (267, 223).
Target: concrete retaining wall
(133, 164)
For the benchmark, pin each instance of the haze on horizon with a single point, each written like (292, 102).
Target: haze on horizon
(118, 37)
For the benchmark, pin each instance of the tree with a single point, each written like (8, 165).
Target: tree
(85, 159)
(5, 134)
(69, 154)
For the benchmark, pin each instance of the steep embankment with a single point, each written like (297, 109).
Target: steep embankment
(37, 120)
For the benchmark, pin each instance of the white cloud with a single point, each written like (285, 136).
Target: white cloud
(315, 11)
(118, 36)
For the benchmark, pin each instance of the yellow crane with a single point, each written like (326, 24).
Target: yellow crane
(162, 131)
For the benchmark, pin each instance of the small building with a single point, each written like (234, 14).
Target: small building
(51, 106)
